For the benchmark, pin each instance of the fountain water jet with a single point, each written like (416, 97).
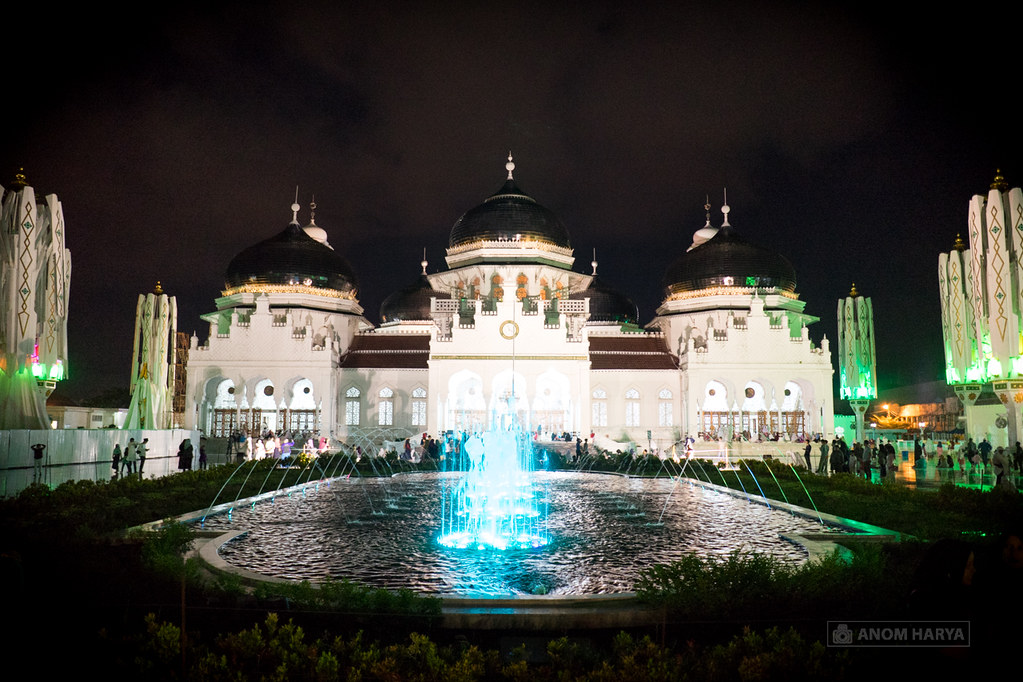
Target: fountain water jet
(495, 506)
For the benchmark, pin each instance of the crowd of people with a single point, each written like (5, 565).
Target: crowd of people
(964, 461)
(267, 444)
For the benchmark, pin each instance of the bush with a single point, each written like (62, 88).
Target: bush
(745, 585)
(164, 550)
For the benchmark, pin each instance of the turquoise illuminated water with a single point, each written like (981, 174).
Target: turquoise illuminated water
(603, 530)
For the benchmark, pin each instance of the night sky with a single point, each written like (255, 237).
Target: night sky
(848, 137)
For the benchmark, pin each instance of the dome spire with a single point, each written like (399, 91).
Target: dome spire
(424, 262)
(725, 210)
(312, 211)
(594, 262)
(1000, 183)
(510, 166)
(294, 208)
(707, 231)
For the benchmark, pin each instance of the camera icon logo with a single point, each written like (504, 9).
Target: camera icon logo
(842, 635)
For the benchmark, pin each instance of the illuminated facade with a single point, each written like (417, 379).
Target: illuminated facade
(510, 332)
(981, 289)
(35, 277)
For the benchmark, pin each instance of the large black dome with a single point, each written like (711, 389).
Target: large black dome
(728, 260)
(291, 257)
(410, 303)
(608, 304)
(509, 215)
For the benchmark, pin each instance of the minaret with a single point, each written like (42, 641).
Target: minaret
(963, 370)
(982, 337)
(857, 364)
(153, 361)
(33, 313)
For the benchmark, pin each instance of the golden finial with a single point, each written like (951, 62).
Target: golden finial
(1000, 184)
(158, 289)
(853, 292)
(19, 179)
(959, 244)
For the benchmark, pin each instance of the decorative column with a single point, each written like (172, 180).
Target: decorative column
(982, 302)
(153, 361)
(36, 269)
(856, 355)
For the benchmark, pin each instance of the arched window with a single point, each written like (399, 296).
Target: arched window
(632, 407)
(385, 409)
(419, 407)
(665, 408)
(599, 407)
(352, 407)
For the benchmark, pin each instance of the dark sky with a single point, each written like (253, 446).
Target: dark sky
(851, 138)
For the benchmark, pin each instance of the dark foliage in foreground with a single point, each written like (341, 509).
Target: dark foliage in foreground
(273, 650)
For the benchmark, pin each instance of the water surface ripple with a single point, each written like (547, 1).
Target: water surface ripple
(604, 529)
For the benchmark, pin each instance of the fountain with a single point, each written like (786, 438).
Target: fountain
(495, 506)
(495, 527)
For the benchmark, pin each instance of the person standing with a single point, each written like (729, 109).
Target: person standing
(116, 466)
(806, 455)
(37, 462)
(999, 463)
(130, 455)
(142, 449)
(985, 451)
(822, 463)
(185, 454)
(890, 460)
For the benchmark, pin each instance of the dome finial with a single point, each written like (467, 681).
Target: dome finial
(510, 166)
(959, 244)
(294, 208)
(19, 179)
(594, 262)
(852, 292)
(158, 289)
(725, 210)
(1000, 184)
(423, 262)
(706, 207)
(312, 211)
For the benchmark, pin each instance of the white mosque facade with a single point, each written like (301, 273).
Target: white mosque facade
(510, 332)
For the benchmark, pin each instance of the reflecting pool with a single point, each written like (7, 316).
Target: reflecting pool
(604, 529)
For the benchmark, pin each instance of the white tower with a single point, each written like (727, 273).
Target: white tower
(857, 363)
(35, 276)
(982, 302)
(152, 372)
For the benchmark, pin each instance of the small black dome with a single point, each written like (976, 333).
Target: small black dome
(410, 303)
(608, 304)
(729, 260)
(507, 215)
(291, 258)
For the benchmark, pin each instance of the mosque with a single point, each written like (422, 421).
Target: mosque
(508, 333)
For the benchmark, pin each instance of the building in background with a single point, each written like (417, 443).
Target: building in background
(509, 331)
